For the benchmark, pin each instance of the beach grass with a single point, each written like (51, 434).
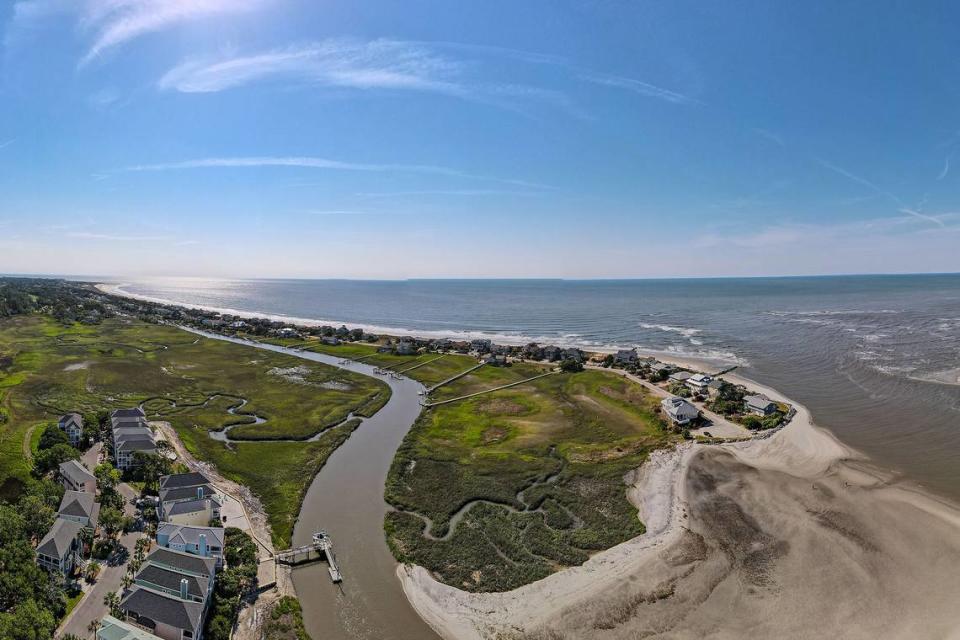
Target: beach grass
(547, 459)
(47, 369)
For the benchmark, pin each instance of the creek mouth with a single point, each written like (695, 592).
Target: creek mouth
(346, 500)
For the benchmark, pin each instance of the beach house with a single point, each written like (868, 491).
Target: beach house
(625, 356)
(170, 595)
(679, 410)
(76, 477)
(58, 549)
(130, 433)
(699, 383)
(680, 377)
(759, 405)
(72, 425)
(80, 507)
(188, 499)
(200, 541)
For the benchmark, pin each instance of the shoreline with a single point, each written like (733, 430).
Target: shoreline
(455, 614)
(658, 489)
(674, 357)
(801, 450)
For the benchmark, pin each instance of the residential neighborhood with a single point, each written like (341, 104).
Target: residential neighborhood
(140, 568)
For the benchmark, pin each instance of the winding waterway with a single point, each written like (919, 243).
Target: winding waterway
(346, 500)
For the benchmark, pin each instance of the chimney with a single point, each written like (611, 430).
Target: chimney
(184, 586)
(203, 544)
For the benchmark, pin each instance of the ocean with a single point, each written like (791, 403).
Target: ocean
(876, 359)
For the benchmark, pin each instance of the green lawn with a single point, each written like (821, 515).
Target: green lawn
(47, 369)
(565, 441)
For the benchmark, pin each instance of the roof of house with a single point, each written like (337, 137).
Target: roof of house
(76, 472)
(137, 444)
(675, 406)
(78, 503)
(190, 506)
(113, 629)
(183, 534)
(183, 561)
(135, 412)
(167, 578)
(700, 378)
(758, 401)
(59, 539)
(681, 375)
(163, 608)
(179, 480)
(70, 417)
(186, 493)
(131, 433)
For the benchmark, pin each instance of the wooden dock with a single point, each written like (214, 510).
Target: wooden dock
(320, 549)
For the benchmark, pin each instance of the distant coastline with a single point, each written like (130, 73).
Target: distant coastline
(673, 357)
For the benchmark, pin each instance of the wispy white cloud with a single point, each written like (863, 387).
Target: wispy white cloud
(945, 170)
(107, 24)
(445, 192)
(638, 86)
(118, 21)
(770, 136)
(89, 235)
(923, 216)
(862, 181)
(377, 64)
(382, 64)
(7, 143)
(311, 162)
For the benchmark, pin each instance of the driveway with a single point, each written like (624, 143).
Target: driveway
(91, 607)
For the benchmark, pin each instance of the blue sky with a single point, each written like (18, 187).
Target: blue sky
(315, 138)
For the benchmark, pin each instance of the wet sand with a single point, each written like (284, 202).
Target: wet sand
(795, 536)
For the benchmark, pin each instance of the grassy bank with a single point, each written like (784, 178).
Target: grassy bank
(547, 458)
(47, 369)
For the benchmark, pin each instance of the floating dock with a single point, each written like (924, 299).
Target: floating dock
(320, 549)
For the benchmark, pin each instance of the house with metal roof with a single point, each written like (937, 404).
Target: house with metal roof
(76, 477)
(58, 549)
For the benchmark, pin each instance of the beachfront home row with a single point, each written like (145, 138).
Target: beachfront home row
(76, 477)
(72, 425)
(131, 434)
(188, 499)
(169, 598)
(679, 410)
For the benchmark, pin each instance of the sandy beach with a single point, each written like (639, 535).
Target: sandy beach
(793, 536)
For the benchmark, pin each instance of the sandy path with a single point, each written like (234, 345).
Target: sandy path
(793, 536)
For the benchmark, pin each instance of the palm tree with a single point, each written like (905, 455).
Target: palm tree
(112, 602)
(93, 627)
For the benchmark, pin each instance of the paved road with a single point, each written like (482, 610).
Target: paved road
(111, 579)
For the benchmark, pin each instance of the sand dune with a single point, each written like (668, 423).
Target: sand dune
(795, 536)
